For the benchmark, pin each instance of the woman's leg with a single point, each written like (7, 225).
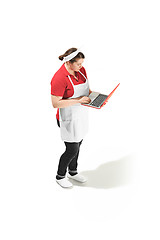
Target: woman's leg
(72, 167)
(68, 161)
(72, 149)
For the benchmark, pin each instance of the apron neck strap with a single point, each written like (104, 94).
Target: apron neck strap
(83, 75)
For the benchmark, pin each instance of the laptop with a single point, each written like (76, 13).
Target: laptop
(98, 100)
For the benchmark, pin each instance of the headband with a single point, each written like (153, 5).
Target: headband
(70, 56)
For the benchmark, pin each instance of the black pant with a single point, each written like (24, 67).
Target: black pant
(69, 158)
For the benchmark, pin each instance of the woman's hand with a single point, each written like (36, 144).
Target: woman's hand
(84, 99)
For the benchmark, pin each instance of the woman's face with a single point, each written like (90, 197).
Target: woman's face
(76, 66)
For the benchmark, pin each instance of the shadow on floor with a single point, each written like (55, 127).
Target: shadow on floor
(110, 174)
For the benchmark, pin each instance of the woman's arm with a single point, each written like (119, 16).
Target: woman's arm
(58, 102)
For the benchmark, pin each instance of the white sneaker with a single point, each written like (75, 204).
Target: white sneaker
(64, 183)
(78, 178)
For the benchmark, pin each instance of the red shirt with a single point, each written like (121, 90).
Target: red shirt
(61, 85)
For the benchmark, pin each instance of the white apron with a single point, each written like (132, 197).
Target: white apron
(74, 119)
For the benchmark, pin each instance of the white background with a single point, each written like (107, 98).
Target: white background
(120, 40)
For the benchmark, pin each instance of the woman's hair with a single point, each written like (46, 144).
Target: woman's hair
(68, 52)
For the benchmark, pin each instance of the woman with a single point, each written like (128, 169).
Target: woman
(70, 88)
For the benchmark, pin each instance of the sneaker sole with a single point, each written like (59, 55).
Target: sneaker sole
(63, 186)
(77, 180)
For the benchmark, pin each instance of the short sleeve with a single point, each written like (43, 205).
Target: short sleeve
(58, 86)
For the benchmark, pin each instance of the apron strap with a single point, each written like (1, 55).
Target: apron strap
(71, 81)
(83, 75)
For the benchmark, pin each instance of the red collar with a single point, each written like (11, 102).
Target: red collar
(65, 70)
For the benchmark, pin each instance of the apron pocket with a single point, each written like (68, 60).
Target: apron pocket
(69, 113)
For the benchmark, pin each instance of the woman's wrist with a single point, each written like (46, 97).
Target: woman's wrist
(78, 99)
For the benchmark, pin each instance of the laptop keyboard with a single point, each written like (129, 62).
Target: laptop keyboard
(99, 100)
